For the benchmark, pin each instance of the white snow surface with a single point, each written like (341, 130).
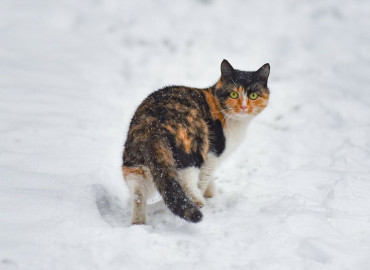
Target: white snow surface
(296, 193)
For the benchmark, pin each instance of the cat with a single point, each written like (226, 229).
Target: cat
(179, 135)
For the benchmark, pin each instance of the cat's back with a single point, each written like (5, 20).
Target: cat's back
(172, 103)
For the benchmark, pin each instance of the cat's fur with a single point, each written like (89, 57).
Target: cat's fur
(178, 135)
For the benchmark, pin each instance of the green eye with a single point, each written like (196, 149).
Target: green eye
(253, 96)
(234, 94)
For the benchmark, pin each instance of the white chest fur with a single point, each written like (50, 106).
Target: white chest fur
(235, 132)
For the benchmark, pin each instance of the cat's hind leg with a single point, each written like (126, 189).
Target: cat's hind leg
(140, 189)
(188, 179)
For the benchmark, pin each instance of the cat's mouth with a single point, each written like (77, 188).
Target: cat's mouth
(240, 115)
(244, 115)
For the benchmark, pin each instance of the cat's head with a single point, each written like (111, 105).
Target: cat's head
(241, 94)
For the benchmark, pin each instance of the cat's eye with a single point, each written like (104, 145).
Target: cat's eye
(253, 96)
(234, 94)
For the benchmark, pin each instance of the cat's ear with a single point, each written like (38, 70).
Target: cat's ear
(227, 70)
(264, 72)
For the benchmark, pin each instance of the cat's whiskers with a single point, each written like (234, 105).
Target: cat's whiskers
(226, 110)
(228, 116)
(224, 113)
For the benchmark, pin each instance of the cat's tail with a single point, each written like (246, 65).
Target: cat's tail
(161, 163)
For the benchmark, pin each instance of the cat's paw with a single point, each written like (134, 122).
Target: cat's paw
(138, 221)
(199, 204)
(209, 194)
(210, 190)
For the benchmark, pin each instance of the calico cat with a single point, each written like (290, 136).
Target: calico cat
(179, 135)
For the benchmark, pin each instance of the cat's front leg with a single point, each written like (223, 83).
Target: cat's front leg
(210, 189)
(206, 182)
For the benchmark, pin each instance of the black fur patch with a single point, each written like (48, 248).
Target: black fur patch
(217, 138)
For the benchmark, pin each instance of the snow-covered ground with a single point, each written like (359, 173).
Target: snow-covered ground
(296, 195)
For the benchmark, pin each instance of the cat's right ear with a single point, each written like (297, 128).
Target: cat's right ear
(227, 70)
(264, 72)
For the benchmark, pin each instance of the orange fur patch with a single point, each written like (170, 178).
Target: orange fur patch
(183, 138)
(257, 105)
(132, 170)
(164, 154)
(170, 129)
(215, 111)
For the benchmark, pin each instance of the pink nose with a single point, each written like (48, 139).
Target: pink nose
(244, 107)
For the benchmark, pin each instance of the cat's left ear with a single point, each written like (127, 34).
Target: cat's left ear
(227, 71)
(264, 72)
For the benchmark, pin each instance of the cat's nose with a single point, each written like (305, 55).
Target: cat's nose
(243, 107)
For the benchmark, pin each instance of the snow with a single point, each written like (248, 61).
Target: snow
(295, 195)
